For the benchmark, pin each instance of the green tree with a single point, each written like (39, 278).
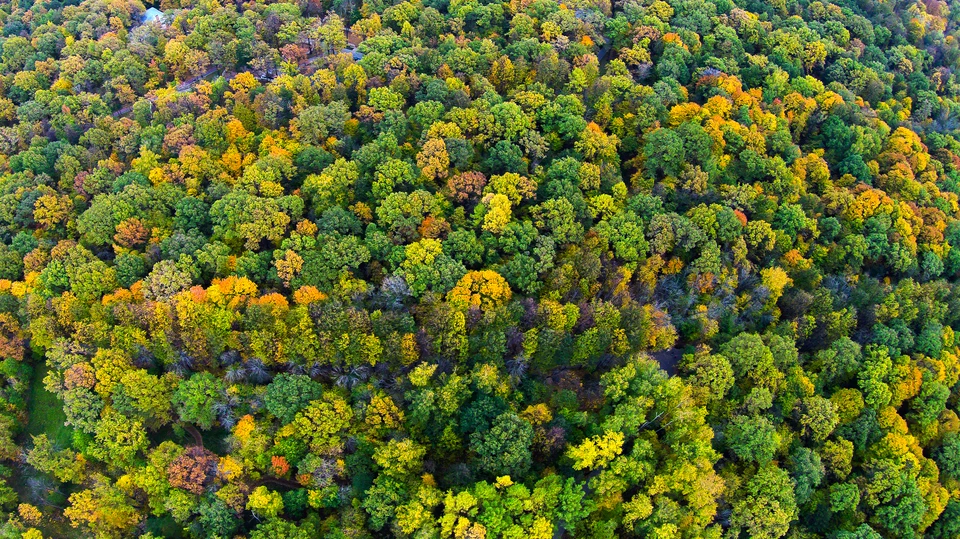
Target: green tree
(322, 422)
(195, 399)
(504, 449)
(62, 464)
(752, 438)
(766, 506)
(287, 394)
(427, 267)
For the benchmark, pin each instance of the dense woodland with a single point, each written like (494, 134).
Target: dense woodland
(525, 269)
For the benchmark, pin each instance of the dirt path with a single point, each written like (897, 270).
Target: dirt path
(278, 481)
(197, 437)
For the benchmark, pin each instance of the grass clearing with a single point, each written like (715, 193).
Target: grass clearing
(45, 416)
(46, 411)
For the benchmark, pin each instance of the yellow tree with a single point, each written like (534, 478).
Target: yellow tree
(433, 159)
(484, 289)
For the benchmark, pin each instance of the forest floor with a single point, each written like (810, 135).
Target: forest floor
(669, 359)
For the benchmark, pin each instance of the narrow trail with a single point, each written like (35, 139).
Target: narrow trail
(278, 481)
(197, 437)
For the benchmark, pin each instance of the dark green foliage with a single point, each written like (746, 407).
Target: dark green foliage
(287, 394)
(504, 448)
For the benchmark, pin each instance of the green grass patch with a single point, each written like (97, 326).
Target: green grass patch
(164, 526)
(45, 411)
(45, 416)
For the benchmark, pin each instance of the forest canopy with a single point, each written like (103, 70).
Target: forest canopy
(480, 268)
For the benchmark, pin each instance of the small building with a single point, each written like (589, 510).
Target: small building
(152, 14)
(352, 50)
(353, 41)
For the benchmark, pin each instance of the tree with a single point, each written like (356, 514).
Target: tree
(844, 497)
(948, 524)
(118, 440)
(384, 99)
(241, 219)
(872, 379)
(840, 362)
(625, 231)
(276, 527)
(315, 124)
(215, 518)
(11, 264)
(433, 159)
(65, 465)
(596, 452)
(466, 187)
(193, 470)
(504, 449)
(141, 394)
(391, 174)
(103, 510)
(556, 217)
(288, 394)
(807, 471)
(818, 418)
(82, 408)
(401, 214)
(905, 512)
(498, 212)
(486, 290)
(265, 502)
(427, 267)
(752, 438)
(322, 422)
(165, 280)
(766, 506)
(664, 152)
(711, 372)
(864, 531)
(399, 459)
(752, 361)
(195, 399)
